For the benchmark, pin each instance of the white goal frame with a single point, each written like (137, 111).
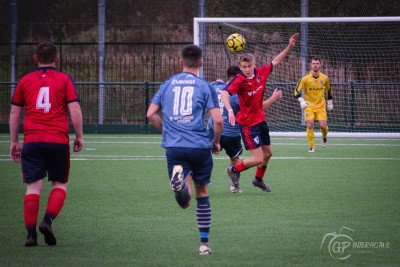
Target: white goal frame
(197, 40)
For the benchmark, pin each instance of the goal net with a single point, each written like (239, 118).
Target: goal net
(361, 56)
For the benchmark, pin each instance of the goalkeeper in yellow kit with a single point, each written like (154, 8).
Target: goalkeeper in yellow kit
(316, 86)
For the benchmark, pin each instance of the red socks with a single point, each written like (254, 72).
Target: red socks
(31, 209)
(239, 167)
(260, 172)
(55, 202)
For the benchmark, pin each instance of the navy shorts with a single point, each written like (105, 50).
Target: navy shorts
(255, 136)
(41, 159)
(195, 161)
(232, 145)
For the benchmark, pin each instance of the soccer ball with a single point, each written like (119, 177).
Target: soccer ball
(235, 42)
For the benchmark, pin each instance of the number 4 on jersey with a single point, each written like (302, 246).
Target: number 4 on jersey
(43, 99)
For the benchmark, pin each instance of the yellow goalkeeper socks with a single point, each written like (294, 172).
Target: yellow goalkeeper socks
(310, 137)
(324, 132)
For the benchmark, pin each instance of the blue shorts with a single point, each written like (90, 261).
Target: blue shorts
(195, 161)
(41, 159)
(255, 136)
(232, 145)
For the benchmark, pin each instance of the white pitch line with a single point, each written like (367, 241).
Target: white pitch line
(276, 158)
(136, 158)
(272, 143)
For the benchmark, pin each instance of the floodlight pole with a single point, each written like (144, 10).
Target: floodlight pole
(13, 42)
(303, 46)
(202, 14)
(101, 49)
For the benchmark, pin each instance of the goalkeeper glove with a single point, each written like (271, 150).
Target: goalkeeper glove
(303, 103)
(330, 105)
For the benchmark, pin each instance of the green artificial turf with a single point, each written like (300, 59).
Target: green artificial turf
(120, 210)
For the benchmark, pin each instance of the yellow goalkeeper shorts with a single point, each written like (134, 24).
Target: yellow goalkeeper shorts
(315, 114)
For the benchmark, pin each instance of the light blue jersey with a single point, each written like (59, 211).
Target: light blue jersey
(228, 129)
(184, 100)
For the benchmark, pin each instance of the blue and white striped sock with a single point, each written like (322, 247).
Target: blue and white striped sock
(183, 197)
(203, 217)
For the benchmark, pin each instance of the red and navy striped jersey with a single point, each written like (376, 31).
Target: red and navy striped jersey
(251, 95)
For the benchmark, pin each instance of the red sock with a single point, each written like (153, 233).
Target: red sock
(260, 172)
(56, 202)
(239, 167)
(31, 209)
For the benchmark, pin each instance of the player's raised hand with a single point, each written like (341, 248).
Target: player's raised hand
(293, 39)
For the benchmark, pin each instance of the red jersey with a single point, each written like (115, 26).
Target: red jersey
(251, 95)
(45, 94)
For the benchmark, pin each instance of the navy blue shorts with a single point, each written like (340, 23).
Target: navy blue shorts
(232, 145)
(195, 161)
(40, 159)
(255, 136)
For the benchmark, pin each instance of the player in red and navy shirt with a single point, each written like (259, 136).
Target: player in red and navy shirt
(250, 85)
(47, 95)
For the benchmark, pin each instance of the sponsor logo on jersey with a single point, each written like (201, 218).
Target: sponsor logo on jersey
(255, 91)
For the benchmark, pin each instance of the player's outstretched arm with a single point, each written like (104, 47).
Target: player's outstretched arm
(292, 41)
(154, 118)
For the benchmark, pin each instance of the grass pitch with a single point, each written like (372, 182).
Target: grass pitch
(338, 206)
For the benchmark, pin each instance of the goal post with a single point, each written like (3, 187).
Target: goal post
(361, 56)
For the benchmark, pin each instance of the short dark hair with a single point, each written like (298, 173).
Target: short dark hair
(232, 71)
(46, 52)
(191, 56)
(315, 58)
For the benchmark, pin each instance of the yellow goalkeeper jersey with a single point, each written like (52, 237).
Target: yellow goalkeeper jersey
(315, 89)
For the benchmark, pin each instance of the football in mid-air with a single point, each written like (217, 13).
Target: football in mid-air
(235, 42)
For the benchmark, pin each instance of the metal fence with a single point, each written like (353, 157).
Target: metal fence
(125, 103)
(125, 62)
(133, 71)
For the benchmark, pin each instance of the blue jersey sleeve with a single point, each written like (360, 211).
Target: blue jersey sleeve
(184, 100)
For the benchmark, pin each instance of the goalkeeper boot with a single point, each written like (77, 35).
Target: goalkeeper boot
(204, 249)
(311, 150)
(177, 178)
(233, 178)
(324, 142)
(260, 184)
(46, 230)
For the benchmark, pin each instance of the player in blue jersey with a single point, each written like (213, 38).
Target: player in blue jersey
(230, 137)
(184, 100)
